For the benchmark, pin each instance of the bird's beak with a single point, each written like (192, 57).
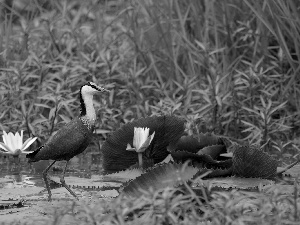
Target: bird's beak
(105, 90)
(101, 89)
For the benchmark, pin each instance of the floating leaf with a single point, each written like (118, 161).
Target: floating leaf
(186, 143)
(78, 182)
(230, 143)
(212, 174)
(214, 150)
(236, 182)
(200, 160)
(167, 175)
(227, 155)
(167, 129)
(194, 144)
(226, 141)
(168, 159)
(122, 176)
(250, 161)
(219, 172)
(207, 139)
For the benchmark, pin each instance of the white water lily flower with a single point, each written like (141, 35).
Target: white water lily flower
(141, 141)
(13, 144)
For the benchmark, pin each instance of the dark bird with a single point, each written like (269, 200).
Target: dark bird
(72, 139)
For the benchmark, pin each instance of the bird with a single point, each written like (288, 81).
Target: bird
(72, 139)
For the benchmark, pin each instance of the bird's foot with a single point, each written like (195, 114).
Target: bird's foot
(62, 181)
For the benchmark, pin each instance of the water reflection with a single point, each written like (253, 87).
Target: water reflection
(19, 173)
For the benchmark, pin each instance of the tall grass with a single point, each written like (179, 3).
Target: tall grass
(179, 206)
(226, 66)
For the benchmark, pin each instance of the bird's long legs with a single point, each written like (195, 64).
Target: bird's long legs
(63, 182)
(46, 180)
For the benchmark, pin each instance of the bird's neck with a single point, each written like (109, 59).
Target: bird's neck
(89, 117)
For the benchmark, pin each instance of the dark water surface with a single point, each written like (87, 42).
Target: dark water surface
(25, 174)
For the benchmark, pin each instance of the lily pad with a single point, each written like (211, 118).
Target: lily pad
(216, 172)
(186, 143)
(167, 175)
(168, 159)
(201, 160)
(236, 182)
(213, 150)
(207, 139)
(250, 161)
(167, 129)
(122, 176)
(195, 143)
(77, 182)
(227, 155)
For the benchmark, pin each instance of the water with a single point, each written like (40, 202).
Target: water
(22, 173)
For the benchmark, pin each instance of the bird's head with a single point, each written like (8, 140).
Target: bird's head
(86, 94)
(91, 88)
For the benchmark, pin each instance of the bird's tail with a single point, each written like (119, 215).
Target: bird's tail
(31, 156)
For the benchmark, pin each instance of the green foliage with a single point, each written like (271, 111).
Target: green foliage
(226, 67)
(180, 206)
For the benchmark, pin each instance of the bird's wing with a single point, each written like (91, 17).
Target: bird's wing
(70, 140)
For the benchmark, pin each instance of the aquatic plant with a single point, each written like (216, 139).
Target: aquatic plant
(13, 143)
(141, 141)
